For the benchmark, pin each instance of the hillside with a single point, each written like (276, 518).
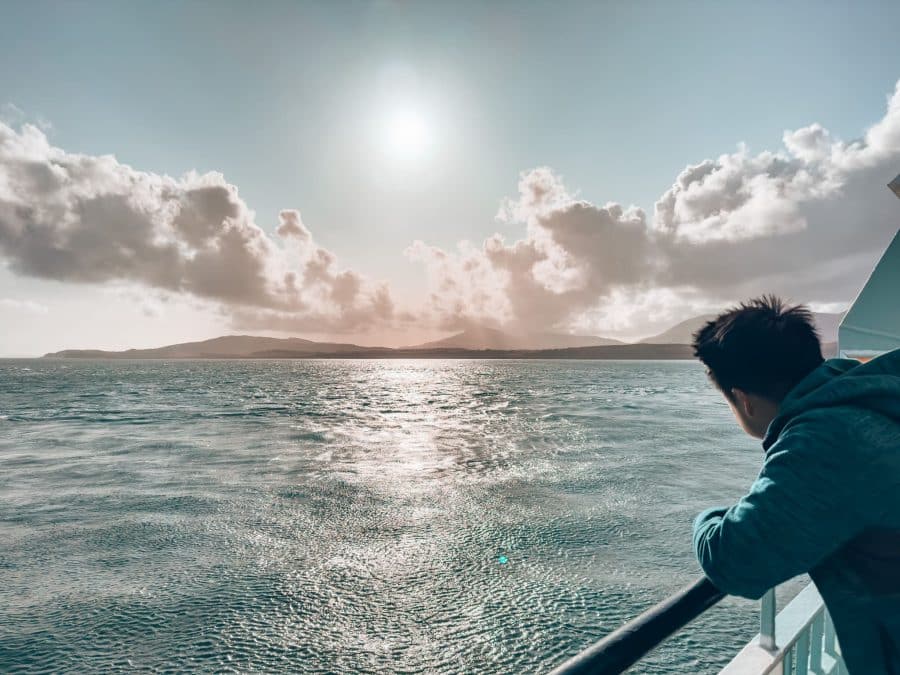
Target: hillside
(229, 346)
(473, 343)
(622, 351)
(489, 338)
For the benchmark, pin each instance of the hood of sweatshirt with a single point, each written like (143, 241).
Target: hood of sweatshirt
(874, 385)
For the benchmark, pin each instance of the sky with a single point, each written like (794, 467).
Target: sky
(390, 172)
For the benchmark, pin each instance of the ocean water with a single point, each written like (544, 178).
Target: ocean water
(350, 516)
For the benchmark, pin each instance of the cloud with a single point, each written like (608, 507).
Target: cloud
(91, 219)
(150, 302)
(27, 306)
(808, 221)
(290, 225)
(647, 309)
(574, 253)
(733, 199)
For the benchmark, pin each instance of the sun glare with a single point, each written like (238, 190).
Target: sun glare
(406, 133)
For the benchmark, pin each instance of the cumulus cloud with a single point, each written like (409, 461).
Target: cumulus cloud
(92, 219)
(573, 253)
(741, 197)
(736, 198)
(807, 221)
(291, 226)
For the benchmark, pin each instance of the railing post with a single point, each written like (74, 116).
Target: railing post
(767, 621)
(802, 648)
(829, 647)
(816, 647)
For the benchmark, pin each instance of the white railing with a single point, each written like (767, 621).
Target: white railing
(799, 641)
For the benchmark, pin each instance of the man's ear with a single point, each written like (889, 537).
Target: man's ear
(743, 400)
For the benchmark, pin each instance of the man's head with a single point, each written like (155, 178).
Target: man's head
(755, 354)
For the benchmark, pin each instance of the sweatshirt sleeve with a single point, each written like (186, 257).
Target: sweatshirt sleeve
(798, 511)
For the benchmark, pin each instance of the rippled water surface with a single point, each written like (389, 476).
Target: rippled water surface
(354, 516)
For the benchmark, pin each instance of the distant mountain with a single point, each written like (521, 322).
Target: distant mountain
(249, 347)
(489, 338)
(566, 341)
(622, 351)
(473, 343)
(473, 338)
(682, 333)
(229, 346)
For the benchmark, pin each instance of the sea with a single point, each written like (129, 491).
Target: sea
(356, 516)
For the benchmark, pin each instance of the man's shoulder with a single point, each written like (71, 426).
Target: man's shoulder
(851, 432)
(825, 422)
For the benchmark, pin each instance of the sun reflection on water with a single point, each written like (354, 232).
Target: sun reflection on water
(350, 516)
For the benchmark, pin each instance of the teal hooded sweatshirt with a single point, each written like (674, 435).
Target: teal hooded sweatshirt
(826, 502)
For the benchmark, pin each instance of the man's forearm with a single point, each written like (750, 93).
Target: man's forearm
(730, 573)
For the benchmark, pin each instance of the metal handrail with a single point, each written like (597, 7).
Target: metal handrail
(619, 650)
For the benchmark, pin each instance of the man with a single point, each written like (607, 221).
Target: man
(827, 500)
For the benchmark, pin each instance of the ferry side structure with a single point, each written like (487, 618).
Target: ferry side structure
(801, 639)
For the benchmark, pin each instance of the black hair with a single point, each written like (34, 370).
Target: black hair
(762, 346)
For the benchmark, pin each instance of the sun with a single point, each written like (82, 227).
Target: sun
(406, 133)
